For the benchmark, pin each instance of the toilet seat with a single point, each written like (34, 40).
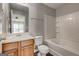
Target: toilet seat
(43, 48)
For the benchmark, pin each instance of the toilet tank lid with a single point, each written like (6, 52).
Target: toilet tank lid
(38, 36)
(38, 40)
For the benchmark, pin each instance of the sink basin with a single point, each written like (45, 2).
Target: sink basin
(19, 36)
(14, 38)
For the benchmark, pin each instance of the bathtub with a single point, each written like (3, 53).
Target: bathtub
(56, 49)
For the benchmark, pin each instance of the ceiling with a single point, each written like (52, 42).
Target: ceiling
(18, 7)
(54, 5)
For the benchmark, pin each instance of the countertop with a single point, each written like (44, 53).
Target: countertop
(15, 40)
(10, 39)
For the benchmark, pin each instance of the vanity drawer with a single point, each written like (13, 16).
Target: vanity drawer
(9, 46)
(27, 42)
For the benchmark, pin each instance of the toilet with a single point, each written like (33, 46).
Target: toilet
(43, 49)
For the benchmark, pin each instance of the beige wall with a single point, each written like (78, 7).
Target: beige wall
(6, 18)
(49, 27)
(38, 10)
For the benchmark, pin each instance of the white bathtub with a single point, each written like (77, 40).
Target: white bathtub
(57, 49)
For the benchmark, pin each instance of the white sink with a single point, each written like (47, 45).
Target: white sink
(18, 37)
(14, 38)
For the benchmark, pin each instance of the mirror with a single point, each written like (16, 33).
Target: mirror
(19, 18)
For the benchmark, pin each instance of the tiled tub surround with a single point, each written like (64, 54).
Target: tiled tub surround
(67, 29)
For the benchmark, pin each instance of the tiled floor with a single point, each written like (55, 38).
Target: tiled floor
(48, 54)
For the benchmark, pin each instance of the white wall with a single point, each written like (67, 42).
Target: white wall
(49, 27)
(67, 19)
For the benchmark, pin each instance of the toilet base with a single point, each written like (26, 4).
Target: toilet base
(38, 54)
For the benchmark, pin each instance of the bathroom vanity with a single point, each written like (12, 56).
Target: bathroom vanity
(19, 46)
(16, 44)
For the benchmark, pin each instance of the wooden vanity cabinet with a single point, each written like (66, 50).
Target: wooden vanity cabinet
(13, 52)
(27, 48)
(21, 48)
(10, 49)
(27, 51)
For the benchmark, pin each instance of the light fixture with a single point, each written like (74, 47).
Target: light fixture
(70, 18)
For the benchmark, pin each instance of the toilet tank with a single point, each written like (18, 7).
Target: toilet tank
(38, 40)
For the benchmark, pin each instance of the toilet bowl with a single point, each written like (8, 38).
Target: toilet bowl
(43, 49)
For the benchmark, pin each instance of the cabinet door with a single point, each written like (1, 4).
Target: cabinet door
(27, 51)
(13, 52)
